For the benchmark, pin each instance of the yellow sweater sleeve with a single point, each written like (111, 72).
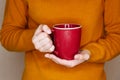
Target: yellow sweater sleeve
(108, 47)
(15, 35)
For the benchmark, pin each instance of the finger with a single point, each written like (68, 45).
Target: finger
(45, 41)
(39, 37)
(47, 55)
(46, 29)
(48, 45)
(46, 48)
(67, 63)
(53, 58)
(51, 49)
(82, 55)
(86, 54)
(78, 56)
(38, 30)
(42, 42)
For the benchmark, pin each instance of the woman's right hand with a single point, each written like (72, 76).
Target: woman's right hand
(42, 40)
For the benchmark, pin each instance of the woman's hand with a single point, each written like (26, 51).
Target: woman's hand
(42, 40)
(79, 58)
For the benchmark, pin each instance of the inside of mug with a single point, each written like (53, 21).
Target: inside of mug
(67, 26)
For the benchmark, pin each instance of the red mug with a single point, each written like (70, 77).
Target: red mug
(66, 38)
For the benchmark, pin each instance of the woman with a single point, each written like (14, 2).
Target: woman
(23, 30)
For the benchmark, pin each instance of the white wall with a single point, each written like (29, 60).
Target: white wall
(112, 69)
(11, 63)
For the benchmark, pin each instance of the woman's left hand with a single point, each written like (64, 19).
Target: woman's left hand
(79, 58)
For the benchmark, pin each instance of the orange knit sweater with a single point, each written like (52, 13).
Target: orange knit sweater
(100, 20)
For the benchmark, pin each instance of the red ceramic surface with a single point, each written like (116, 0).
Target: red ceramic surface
(66, 40)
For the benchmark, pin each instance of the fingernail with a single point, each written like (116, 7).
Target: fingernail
(46, 55)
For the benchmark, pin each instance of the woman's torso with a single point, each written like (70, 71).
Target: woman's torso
(87, 13)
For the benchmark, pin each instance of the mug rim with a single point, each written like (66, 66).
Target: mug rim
(67, 28)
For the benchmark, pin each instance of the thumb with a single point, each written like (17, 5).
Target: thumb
(46, 29)
(38, 30)
(85, 54)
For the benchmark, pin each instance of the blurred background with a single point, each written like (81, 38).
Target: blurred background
(12, 63)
